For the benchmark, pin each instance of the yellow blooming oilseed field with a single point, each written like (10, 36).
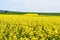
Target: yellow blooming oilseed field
(29, 27)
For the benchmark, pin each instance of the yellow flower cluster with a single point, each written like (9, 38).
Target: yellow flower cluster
(29, 27)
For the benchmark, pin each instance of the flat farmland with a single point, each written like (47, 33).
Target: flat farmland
(29, 27)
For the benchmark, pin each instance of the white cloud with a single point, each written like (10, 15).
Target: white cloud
(34, 5)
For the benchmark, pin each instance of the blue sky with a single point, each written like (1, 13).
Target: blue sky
(31, 5)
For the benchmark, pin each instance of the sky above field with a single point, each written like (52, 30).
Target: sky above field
(31, 5)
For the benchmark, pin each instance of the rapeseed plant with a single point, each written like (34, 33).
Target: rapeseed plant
(29, 27)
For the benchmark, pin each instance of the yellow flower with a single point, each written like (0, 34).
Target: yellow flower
(34, 38)
(33, 25)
